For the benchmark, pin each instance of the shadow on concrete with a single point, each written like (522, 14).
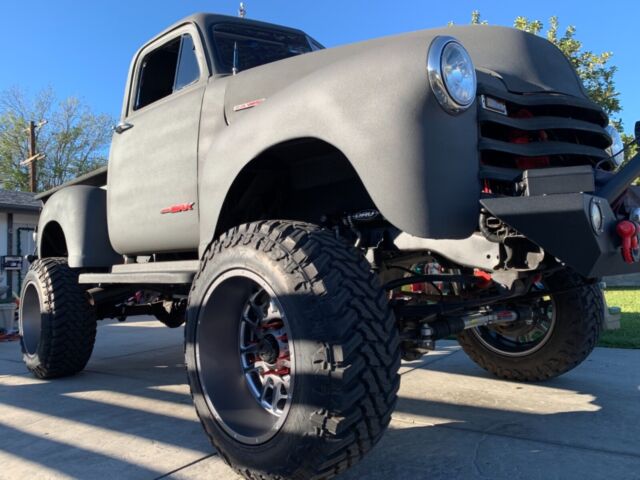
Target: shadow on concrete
(29, 447)
(89, 425)
(452, 421)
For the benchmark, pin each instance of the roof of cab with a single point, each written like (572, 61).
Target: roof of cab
(207, 19)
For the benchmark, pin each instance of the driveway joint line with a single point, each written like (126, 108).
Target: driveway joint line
(443, 357)
(191, 464)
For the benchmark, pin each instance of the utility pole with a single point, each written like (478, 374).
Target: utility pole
(33, 155)
(33, 181)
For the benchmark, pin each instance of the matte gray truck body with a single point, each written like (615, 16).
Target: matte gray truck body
(368, 103)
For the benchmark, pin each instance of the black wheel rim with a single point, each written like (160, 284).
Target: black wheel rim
(523, 337)
(244, 356)
(265, 352)
(30, 319)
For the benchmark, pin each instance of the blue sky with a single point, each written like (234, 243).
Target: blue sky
(83, 48)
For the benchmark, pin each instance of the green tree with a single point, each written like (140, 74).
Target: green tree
(74, 139)
(595, 69)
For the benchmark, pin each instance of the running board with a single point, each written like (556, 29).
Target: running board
(176, 272)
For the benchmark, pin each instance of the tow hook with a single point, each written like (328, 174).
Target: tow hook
(628, 233)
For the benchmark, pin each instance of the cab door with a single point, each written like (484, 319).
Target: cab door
(153, 163)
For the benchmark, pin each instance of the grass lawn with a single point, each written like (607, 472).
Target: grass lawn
(629, 334)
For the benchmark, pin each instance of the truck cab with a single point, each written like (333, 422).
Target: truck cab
(160, 137)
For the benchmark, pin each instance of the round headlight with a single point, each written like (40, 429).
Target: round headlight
(617, 147)
(451, 74)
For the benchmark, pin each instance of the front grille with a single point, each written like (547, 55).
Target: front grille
(541, 130)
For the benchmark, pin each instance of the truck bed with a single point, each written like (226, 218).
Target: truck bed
(96, 178)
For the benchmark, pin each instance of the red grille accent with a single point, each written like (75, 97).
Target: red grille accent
(521, 137)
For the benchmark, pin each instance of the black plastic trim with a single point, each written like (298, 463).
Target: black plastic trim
(538, 149)
(545, 99)
(543, 123)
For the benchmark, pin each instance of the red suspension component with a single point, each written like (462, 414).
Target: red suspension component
(484, 278)
(280, 372)
(521, 137)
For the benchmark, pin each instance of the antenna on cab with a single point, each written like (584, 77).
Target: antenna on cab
(234, 67)
(242, 12)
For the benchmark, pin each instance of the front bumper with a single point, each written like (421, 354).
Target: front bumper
(561, 225)
(560, 222)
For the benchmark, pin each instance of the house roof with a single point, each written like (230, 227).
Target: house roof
(18, 201)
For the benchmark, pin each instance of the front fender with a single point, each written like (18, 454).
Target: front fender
(81, 212)
(418, 163)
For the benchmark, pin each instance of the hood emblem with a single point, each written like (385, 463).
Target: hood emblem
(251, 104)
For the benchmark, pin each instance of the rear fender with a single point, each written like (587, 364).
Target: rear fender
(81, 213)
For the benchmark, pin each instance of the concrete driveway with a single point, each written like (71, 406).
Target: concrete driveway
(129, 416)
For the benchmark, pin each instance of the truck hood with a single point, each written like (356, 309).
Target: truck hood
(506, 58)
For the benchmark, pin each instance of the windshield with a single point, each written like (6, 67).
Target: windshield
(257, 46)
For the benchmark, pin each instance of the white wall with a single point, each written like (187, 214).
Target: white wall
(26, 218)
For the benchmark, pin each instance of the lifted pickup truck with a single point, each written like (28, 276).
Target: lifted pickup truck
(315, 215)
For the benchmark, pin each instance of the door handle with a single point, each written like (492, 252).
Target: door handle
(122, 127)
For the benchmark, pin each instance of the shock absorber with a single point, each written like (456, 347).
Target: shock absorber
(447, 326)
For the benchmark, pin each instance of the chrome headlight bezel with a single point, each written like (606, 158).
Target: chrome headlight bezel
(443, 91)
(617, 146)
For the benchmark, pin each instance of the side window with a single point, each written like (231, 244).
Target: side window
(188, 70)
(167, 69)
